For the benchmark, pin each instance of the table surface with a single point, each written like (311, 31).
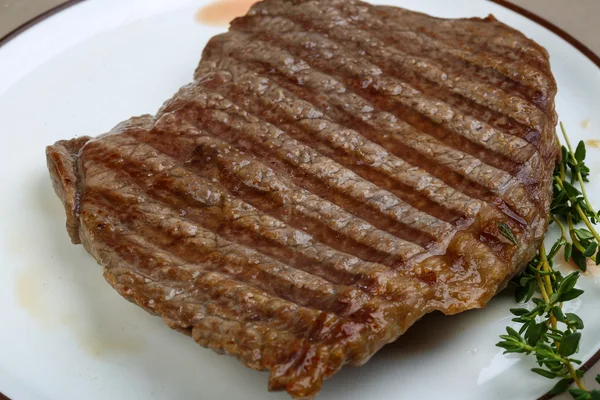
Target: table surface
(579, 18)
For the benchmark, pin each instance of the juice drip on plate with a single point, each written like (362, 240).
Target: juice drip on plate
(221, 12)
(593, 143)
(28, 286)
(592, 269)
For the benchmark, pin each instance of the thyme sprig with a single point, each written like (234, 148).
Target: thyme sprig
(573, 205)
(545, 331)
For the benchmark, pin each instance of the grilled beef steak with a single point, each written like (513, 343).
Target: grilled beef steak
(334, 172)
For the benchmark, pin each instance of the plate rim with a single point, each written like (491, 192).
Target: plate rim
(577, 44)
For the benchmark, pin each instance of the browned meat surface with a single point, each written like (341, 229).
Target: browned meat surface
(334, 172)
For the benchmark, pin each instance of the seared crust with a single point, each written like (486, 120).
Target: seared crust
(334, 172)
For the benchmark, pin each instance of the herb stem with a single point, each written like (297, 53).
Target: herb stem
(574, 161)
(564, 132)
(542, 287)
(546, 267)
(562, 227)
(581, 214)
(576, 378)
(587, 223)
(539, 333)
(546, 291)
(574, 238)
(585, 219)
(583, 191)
(576, 243)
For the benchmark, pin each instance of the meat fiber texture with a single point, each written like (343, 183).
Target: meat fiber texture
(334, 172)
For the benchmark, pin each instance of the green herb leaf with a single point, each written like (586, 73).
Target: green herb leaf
(544, 373)
(560, 387)
(568, 250)
(595, 394)
(525, 293)
(534, 333)
(569, 344)
(583, 234)
(572, 192)
(564, 153)
(579, 259)
(580, 152)
(568, 282)
(590, 250)
(545, 331)
(558, 314)
(507, 233)
(580, 394)
(571, 294)
(519, 311)
(575, 320)
(512, 333)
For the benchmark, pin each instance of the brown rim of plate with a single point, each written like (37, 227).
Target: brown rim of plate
(28, 24)
(586, 51)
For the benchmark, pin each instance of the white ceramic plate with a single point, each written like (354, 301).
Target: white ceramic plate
(67, 335)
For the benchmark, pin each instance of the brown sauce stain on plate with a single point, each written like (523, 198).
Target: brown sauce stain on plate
(100, 346)
(221, 12)
(28, 288)
(33, 295)
(101, 340)
(595, 143)
(592, 270)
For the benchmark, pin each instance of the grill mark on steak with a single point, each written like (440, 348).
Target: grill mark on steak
(506, 112)
(503, 42)
(272, 198)
(426, 114)
(350, 233)
(470, 168)
(401, 266)
(216, 254)
(455, 61)
(536, 88)
(189, 200)
(499, 249)
(483, 54)
(348, 148)
(173, 271)
(136, 254)
(249, 340)
(351, 150)
(267, 191)
(372, 278)
(214, 291)
(421, 275)
(530, 74)
(334, 235)
(419, 39)
(269, 142)
(259, 95)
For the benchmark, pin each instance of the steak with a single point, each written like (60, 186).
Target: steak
(334, 172)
